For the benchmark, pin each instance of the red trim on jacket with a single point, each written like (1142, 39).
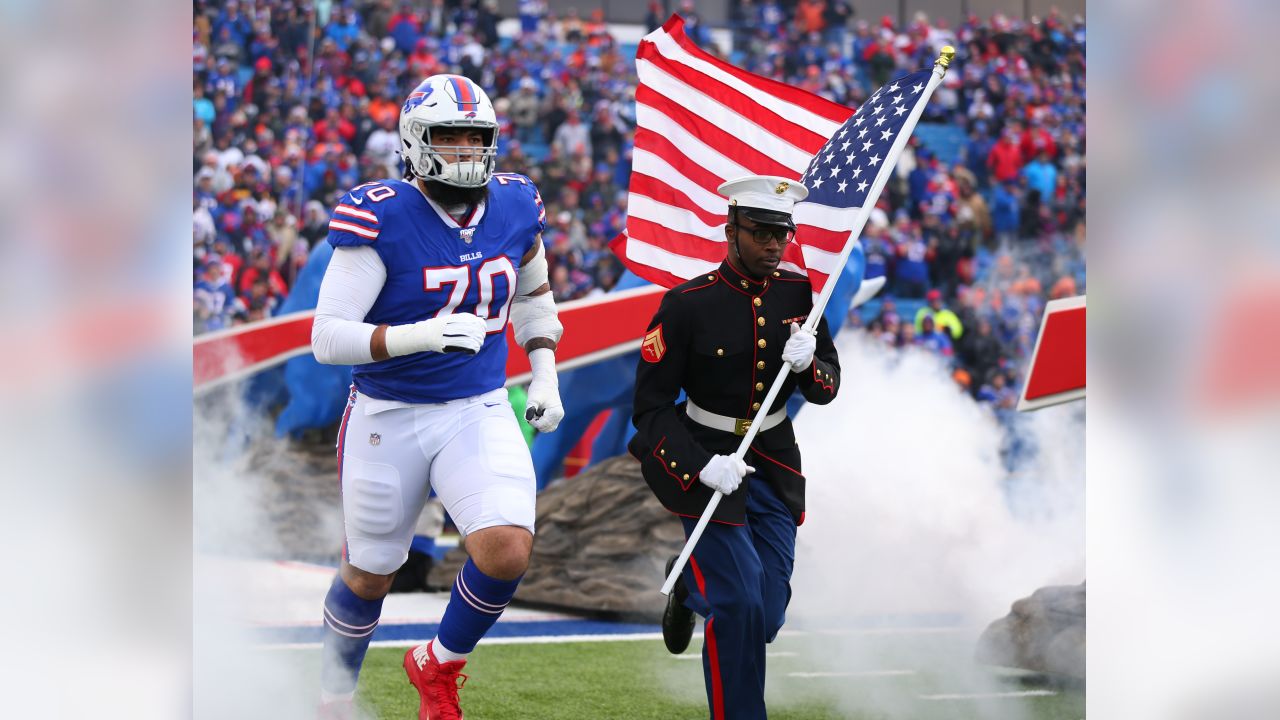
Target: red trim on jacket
(684, 485)
(699, 517)
(699, 287)
(818, 380)
(775, 462)
(728, 282)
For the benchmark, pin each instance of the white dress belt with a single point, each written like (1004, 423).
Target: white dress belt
(737, 426)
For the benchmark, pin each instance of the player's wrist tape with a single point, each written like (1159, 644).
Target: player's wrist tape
(403, 340)
(543, 363)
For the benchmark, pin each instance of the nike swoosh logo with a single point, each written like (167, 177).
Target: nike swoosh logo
(357, 201)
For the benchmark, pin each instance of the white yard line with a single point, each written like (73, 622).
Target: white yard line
(989, 696)
(531, 640)
(882, 631)
(854, 674)
(698, 656)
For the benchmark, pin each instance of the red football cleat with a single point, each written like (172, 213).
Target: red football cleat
(437, 683)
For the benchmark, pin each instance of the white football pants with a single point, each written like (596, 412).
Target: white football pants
(391, 454)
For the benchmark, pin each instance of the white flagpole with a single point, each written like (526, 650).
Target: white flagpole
(815, 316)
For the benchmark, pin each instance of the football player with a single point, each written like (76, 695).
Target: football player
(426, 274)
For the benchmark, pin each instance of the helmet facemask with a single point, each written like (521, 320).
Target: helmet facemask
(431, 163)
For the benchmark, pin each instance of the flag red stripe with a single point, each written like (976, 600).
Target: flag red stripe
(734, 100)
(819, 237)
(691, 246)
(662, 192)
(834, 112)
(665, 149)
(727, 144)
(654, 275)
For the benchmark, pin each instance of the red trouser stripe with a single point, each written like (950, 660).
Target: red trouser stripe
(717, 690)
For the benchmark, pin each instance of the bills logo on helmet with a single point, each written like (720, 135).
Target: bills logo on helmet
(417, 97)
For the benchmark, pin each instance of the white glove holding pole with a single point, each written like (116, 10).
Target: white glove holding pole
(724, 473)
(543, 409)
(798, 352)
(459, 332)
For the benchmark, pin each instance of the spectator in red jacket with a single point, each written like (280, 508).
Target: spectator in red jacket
(260, 268)
(1005, 160)
(333, 120)
(1036, 140)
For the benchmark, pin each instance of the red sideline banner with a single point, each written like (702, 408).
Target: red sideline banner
(595, 329)
(1057, 370)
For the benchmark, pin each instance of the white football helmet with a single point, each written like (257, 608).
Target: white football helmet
(448, 101)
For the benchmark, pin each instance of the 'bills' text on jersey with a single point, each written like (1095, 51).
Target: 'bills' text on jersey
(435, 267)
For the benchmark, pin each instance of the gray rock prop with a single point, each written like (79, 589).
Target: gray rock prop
(602, 542)
(1044, 633)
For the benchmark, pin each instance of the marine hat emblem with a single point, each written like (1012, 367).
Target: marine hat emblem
(782, 187)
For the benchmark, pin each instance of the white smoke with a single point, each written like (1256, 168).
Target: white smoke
(234, 675)
(912, 519)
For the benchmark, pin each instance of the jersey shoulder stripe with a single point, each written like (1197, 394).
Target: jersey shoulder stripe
(357, 219)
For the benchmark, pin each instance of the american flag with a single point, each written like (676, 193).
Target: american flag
(701, 121)
(848, 170)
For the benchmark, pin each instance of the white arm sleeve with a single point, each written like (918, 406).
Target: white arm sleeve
(339, 335)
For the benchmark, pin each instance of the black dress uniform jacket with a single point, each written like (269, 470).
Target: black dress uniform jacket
(719, 337)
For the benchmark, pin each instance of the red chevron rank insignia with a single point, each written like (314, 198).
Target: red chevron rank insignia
(653, 347)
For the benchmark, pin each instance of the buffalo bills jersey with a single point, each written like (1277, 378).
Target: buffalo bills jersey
(437, 266)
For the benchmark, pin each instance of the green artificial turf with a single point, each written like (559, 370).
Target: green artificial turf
(639, 680)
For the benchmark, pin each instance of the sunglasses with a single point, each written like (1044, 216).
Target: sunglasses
(762, 235)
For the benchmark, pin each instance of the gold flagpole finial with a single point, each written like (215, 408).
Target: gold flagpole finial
(944, 58)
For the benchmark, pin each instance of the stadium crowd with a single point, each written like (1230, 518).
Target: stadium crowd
(296, 102)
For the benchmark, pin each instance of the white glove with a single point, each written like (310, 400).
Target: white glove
(460, 332)
(543, 409)
(724, 473)
(798, 352)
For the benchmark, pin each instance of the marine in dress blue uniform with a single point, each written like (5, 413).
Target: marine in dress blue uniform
(722, 337)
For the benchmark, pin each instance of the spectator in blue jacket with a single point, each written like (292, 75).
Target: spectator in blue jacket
(1041, 175)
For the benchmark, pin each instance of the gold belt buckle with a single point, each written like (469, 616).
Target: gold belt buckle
(741, 426)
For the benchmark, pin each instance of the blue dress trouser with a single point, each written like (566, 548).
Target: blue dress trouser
(739, 579)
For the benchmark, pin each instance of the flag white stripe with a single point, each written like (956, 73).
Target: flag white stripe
(668, 47)
(647, 163)
(691, 147)
(821, 260)
(656, 257)
(712, 112)
(672, 218)
(829, 218)
(790, 266)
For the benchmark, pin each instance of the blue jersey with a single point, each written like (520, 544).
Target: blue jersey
(436, 267)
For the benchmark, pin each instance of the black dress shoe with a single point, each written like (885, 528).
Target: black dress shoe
(677, 620)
